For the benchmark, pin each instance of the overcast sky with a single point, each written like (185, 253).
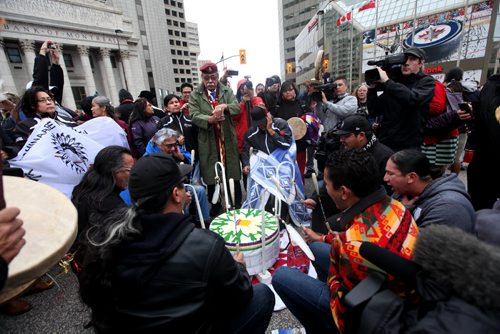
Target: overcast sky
(228, 26)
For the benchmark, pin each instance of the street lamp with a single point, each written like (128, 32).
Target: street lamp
(119, 31)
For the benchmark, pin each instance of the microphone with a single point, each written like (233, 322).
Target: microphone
(390, 262)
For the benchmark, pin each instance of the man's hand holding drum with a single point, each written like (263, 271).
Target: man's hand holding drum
(11, 234)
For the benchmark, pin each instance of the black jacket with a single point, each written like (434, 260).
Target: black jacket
(170, 278)
(261, 140)
(182, 124)
(404, 106)
(125, 109)
(46, 75)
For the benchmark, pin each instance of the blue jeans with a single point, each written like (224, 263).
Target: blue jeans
(307, 298)
(255, 317)
(321, 252)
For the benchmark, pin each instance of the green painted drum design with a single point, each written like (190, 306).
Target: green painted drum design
(249, 228)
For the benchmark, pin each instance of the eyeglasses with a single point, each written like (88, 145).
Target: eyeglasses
(213, 77)
(124, 169)
(46, 99)
(170, 145)
(186, 92)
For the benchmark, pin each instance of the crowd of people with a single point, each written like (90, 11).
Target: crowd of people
(381, 156)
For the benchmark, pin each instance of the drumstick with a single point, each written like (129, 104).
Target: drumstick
(198, 207)
(2, 197)
(316, 187)
(231, 190)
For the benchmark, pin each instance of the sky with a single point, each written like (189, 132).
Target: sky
(226, 26)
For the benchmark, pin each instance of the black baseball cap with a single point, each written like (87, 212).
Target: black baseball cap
(353, 123)
(417, 52)
(154, 174)
(258, 116)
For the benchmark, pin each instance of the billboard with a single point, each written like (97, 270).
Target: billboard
(440, 35)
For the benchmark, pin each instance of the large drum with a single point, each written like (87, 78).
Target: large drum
(245, 226)
(298, 126)
(50, 221)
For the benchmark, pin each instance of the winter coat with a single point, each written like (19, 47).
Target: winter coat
(334, 112)
(142, 131)
(170, 278)
(445, 201)
(262, 140)
(483, 180)
(200, 109)
(287, 110)
(243, 121)
(183, 125)
(404, 106)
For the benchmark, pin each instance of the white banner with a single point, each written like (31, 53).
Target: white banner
(59, 156)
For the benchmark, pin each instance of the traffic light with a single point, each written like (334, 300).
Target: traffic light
(325, 64)
(243, 57)
(289, 68)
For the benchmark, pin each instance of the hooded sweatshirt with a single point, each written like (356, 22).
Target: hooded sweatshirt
(445, 201)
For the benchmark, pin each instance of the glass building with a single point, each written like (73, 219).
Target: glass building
(452, 32)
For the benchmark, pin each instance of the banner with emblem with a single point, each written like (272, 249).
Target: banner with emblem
(268, 170)
(59, 156)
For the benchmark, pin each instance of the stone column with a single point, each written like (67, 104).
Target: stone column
(125, 58)
(140, 81)
(68, 99)
(28, 49)
(90, 87)
(8, 81)
(108, 76)
(102, 71)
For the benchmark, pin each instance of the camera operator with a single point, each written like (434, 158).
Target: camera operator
(404, 103)
(342, 105)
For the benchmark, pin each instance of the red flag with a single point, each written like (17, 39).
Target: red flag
(344, 19)
(367, 5)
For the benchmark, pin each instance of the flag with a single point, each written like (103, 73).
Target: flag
(367, 5)
(59, 156)
(347, 17)
(282, 166)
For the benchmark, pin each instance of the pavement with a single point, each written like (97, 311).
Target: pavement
(60, 310)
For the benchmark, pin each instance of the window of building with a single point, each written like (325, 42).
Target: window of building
(179, 4)
(181, 62)
(186, 53)
(170, 32)
(179, 52)
(176, 71)
(184, 44)
(169, 22)
(189, 80)
(176, 24)
(183, 34)
(183, 24)
(68, 60)
(176, 33)
(172, 51)
(171, 42)
(78, 94)
(181, 71)
(177, 81)
(188, 71)
(172, 2)
(187, 62)
(14, 55)
(178, 43)
(181, 15)
(167, 11)
(174, 13)
(174, 61)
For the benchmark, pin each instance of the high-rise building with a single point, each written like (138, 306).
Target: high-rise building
(194, 50)
(293, 17)
(182, 38)
(106, 45)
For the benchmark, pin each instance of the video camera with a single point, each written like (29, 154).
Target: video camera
(386, 64)
(327, 87)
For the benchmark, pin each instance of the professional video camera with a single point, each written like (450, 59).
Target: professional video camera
(386, 64)
(327, 87)
(329, 142)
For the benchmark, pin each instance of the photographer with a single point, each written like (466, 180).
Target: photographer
(404, 104)
(342, 105)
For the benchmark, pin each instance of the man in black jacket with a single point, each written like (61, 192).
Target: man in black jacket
(158, 274)
(404, 104)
